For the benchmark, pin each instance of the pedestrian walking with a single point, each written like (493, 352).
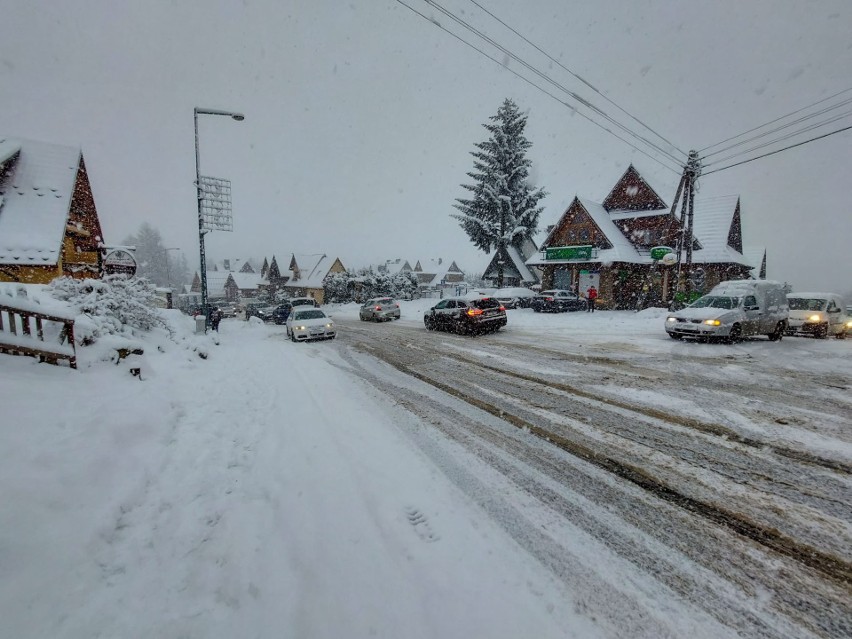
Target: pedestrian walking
(591, 298)
(215, 318)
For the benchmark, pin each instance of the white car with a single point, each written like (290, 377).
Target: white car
(307, 322)
(818, 314)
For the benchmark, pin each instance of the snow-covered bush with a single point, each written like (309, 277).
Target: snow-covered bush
(340, 288)
(114, 305)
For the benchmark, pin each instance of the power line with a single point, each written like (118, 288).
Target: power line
(792, 146)
(805, 108)
(581, 79)
(782, 127)
(545, 91)
(548, 79)
(788, 136)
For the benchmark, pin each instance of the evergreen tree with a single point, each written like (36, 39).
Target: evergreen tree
(152, 259)
(503, 209)
(264, 269)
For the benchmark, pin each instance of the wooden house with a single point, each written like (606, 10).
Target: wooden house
(49, 224)
(306, 275)
(609, 245)
(514, 258)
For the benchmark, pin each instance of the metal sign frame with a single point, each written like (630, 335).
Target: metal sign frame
(214, 204)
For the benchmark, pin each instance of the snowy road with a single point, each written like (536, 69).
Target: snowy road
(707, 505)
(603, 482)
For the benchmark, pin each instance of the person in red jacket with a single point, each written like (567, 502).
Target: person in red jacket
(591, 298)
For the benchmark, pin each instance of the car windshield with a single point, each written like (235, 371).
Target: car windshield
(314, 313)
(548, 293)
(806, 304)
(714, 301)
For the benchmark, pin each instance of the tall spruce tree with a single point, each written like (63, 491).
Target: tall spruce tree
(504, 207)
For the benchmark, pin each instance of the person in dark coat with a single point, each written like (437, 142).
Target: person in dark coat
(215, 318)
(591, 298)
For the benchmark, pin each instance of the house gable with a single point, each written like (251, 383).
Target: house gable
(633, 193)
(576, 228)
(735, 233)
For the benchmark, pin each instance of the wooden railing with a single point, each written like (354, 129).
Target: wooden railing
(17, 336)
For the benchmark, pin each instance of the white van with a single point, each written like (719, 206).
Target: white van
(732, 310)
(818, 314)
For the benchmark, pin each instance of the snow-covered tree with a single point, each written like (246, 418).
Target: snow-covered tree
(154, 261)
(503, 208)
(113, 305)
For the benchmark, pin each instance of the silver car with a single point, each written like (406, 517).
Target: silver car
(379, 309)
(305, 323)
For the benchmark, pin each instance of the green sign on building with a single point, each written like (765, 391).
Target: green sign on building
(568, 253)
(658, 252)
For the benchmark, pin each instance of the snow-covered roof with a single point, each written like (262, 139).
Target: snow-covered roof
(754, 257)
(711, 224)
(622, 250)
(247, 281)
(312, 271)
(519, 262)
(216, 283)
(36, 197)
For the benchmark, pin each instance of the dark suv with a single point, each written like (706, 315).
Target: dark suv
(471, 316)
(282, 312)
(557, 301)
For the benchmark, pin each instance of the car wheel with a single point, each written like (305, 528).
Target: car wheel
(821, 332)
(778, 333)
(430, 325)
(461, 328)
(736, 334)
(675, 336)
(841, 335)
(292, 336)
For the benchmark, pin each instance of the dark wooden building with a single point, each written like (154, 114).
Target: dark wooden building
(609, 245)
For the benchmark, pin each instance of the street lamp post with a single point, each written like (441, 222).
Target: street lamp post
(168, 270)
(239, 117)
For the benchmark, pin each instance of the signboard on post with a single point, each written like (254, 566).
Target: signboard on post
(569, 253)
(118, 261)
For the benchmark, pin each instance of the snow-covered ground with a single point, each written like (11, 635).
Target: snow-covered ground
(266, 492)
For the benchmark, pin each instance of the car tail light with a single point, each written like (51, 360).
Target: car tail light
(378, 308)
(548, 299)
(397, 305)
(474, 311)
(502, 308)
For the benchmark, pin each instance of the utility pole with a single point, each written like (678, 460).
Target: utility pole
(691, 173)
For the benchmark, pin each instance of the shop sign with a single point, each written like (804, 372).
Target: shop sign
(568, 253)
(658, 252)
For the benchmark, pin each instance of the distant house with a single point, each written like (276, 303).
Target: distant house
(514, 258)
(437, 272)
(609, 245)
(49, 224)
(306, 275)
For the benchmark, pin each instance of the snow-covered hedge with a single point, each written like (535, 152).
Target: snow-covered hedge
(114, 305)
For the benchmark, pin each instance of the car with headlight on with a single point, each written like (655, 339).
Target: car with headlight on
(469, 315)
(733, 310)
(818, 314)
(306, 323)
(379, 309)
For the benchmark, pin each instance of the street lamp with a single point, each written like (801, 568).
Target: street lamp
(239, 117)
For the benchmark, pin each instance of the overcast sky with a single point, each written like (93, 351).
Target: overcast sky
(360, 117)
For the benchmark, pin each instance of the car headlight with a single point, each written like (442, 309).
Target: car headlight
(671, 319)
(713, 322)
(301, 328)
(814, 318)
(849, 324)
(329, 325)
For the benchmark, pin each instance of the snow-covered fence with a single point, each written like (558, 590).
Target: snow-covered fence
(18, 318)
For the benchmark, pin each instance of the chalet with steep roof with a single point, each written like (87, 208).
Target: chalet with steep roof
(49, 224)
(514, 258)
(609, 245)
